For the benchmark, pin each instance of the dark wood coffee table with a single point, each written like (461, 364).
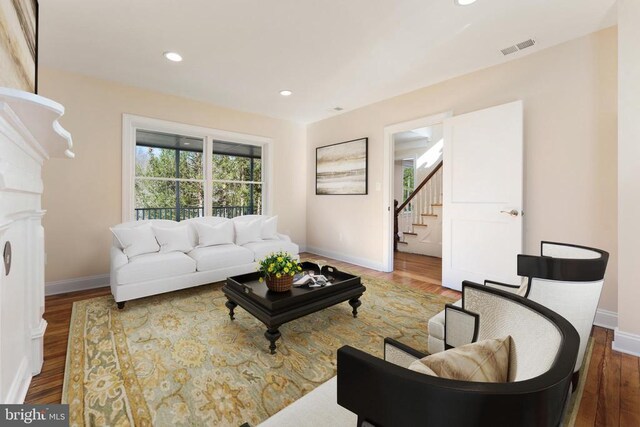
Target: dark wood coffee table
(276, 308)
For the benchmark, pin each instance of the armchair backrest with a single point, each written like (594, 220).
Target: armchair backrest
(568, 279)
(535, 339)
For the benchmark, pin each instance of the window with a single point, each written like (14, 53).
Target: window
(237, 179)
(174, 171)
(408, 181)
(169, 180)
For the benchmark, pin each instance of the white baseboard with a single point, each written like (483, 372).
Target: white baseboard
(626, 342)
(77, 284)
(19, 385)
(606, 319)
(363, 262)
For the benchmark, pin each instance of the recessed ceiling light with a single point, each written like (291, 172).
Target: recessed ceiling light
(285, 92)
(464, 2)
(173, 56)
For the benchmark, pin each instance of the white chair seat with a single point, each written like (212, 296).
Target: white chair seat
(436, 323)
(317, 408)
(221, 256)
(154, 266)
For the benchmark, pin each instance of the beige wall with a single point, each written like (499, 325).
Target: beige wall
(569, 94)
(629, 175)
(83, 196)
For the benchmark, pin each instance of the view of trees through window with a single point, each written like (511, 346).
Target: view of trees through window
(170, 181)
(408, 184)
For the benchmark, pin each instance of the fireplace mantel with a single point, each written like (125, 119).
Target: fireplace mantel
(30, 134)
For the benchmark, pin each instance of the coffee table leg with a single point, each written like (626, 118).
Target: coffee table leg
(272, 334)
(231, 306)
(355, 303)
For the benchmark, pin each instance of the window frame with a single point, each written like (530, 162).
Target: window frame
(131, 123)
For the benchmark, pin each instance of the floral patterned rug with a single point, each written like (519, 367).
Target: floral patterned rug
(177, 359)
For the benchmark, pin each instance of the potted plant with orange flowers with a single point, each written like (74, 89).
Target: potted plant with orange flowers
(278, 270)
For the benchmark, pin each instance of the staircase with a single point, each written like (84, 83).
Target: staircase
(419, 230)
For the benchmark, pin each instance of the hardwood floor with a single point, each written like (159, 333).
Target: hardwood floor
(611, 395)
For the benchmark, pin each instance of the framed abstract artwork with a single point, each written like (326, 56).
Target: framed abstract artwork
(19, 44)
(342, 168)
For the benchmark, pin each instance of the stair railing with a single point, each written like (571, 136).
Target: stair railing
(425, 195)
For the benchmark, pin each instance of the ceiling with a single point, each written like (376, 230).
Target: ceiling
(346, 53)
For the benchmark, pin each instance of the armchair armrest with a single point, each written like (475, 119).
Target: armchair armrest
(400, 354)
(384, 394)
(460, 327)
(502, 286)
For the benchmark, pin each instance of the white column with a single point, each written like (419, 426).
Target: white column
(627, 335)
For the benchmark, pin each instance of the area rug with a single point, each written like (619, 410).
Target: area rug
(177, 359)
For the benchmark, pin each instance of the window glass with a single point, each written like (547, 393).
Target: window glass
(235, 199)
(169, 176)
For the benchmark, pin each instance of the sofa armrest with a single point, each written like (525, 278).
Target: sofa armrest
(118, 259)
(400, 354)
(284, 237)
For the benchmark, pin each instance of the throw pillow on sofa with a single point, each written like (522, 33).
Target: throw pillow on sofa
(270, 228)
(210, 235)
(136, 240)
(173, 239)
(482, 361)
(247, 232)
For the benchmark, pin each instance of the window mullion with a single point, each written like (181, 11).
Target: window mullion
(208, 176)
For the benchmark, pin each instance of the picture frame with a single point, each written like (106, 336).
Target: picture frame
(342, 168)
(19, 47)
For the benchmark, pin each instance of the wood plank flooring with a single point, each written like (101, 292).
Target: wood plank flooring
(611, 395)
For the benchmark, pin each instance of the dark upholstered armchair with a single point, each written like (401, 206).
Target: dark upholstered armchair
(541, 361)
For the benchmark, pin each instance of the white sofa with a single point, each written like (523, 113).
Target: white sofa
(159, 271)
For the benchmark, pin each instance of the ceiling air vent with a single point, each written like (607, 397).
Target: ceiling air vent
(525, 44)
(509, 50)
(518, 46)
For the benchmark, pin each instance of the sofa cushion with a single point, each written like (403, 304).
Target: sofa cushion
(270, 228)
(210, 235)
(136, 240)
(248, 231)
(482, 361)
(266, 247)
(220, 256)
(154, 266)
(173, 239)
(436, 323)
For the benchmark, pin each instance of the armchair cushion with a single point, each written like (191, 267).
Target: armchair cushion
(482, 361)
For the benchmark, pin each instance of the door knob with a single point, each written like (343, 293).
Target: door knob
(512, 212)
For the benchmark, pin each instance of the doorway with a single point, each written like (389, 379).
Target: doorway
(417, 191)
(413, 156)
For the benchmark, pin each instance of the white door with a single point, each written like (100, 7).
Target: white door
(482, 195)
